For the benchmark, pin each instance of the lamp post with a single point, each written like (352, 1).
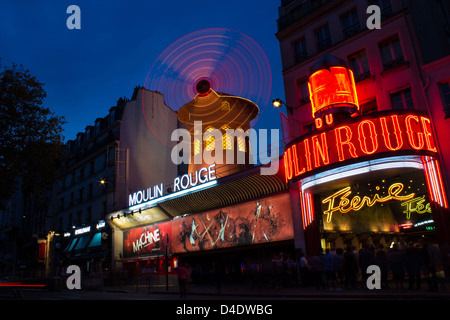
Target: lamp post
(103, 183)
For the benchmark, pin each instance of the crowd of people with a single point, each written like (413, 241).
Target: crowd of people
(412, 263)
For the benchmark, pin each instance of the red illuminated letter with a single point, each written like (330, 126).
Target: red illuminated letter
(372, 136)
(340, 143)
(386, 133)
(296, 160)
(410, 132)
(320, 148)
(307, 155)
(426, 128)
(288, 164)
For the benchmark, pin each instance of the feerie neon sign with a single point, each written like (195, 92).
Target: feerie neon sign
(339, 201)
(381, 132)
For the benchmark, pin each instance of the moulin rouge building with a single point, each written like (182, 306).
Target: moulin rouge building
(373, 178)
(377, 171)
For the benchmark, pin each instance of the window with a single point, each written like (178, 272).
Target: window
(226, 139)
(209, 139)
(78, 222)
(241, 140)
(80, 195)
(445, 94)
(300, 50)
(197, 142)
(369, 106)
(391, 53)
(385, 7)
(91, 168)
(350, 23)
(323, 38)
(89, 215)
(90, 191)
(309, 127)
(359, 65)
(70, 224)
(303, 92)
(402, 99)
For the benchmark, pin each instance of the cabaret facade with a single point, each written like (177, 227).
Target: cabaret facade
(204, 214)
(375, 172)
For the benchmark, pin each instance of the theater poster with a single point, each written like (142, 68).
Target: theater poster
(146, 241)
(260, 221)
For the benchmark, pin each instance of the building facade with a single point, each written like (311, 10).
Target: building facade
(400, 73)
(96, 172)
(224, 220)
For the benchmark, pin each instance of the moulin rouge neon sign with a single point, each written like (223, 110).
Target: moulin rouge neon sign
(380, 133)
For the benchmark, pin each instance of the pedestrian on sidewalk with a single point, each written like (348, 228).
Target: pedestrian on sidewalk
(413, 265)
(317, 270)
(304, 271)
(381, 260)
(432, 258)
(182, 271)
(339, 266)
(350, 267)
(329, 268)
(396, 264)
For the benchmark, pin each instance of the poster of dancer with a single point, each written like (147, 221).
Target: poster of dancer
(254, 222)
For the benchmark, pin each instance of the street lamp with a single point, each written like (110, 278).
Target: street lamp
(277, 103)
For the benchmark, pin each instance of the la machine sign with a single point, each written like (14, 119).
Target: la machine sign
(375, 134)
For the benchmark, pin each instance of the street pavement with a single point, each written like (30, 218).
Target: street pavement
(234, 301)
(229, 292)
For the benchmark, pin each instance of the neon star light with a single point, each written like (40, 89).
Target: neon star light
(339, 201)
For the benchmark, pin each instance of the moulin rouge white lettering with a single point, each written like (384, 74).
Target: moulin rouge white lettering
(146, 195)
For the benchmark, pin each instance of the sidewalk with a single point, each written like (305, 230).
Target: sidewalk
(231, 291)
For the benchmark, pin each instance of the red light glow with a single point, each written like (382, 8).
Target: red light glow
(435, 184)
(372, 135)
(19, 284)
(306, 203)
(333, 87)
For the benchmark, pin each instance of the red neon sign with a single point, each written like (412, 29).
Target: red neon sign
(374, 134)
(333, 87)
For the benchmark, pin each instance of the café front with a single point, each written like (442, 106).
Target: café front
(364, 179)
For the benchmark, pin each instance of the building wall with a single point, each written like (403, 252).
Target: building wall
(416, 76)
(436, 74)
(146, 134)
(418, 26)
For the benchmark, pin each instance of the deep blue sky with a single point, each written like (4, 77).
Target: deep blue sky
(86, 71)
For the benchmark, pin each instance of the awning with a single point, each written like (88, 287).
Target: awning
(85, 247)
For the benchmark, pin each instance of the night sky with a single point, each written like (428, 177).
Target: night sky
(86, 71)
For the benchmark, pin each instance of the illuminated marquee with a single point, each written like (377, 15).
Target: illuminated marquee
(377, 133)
